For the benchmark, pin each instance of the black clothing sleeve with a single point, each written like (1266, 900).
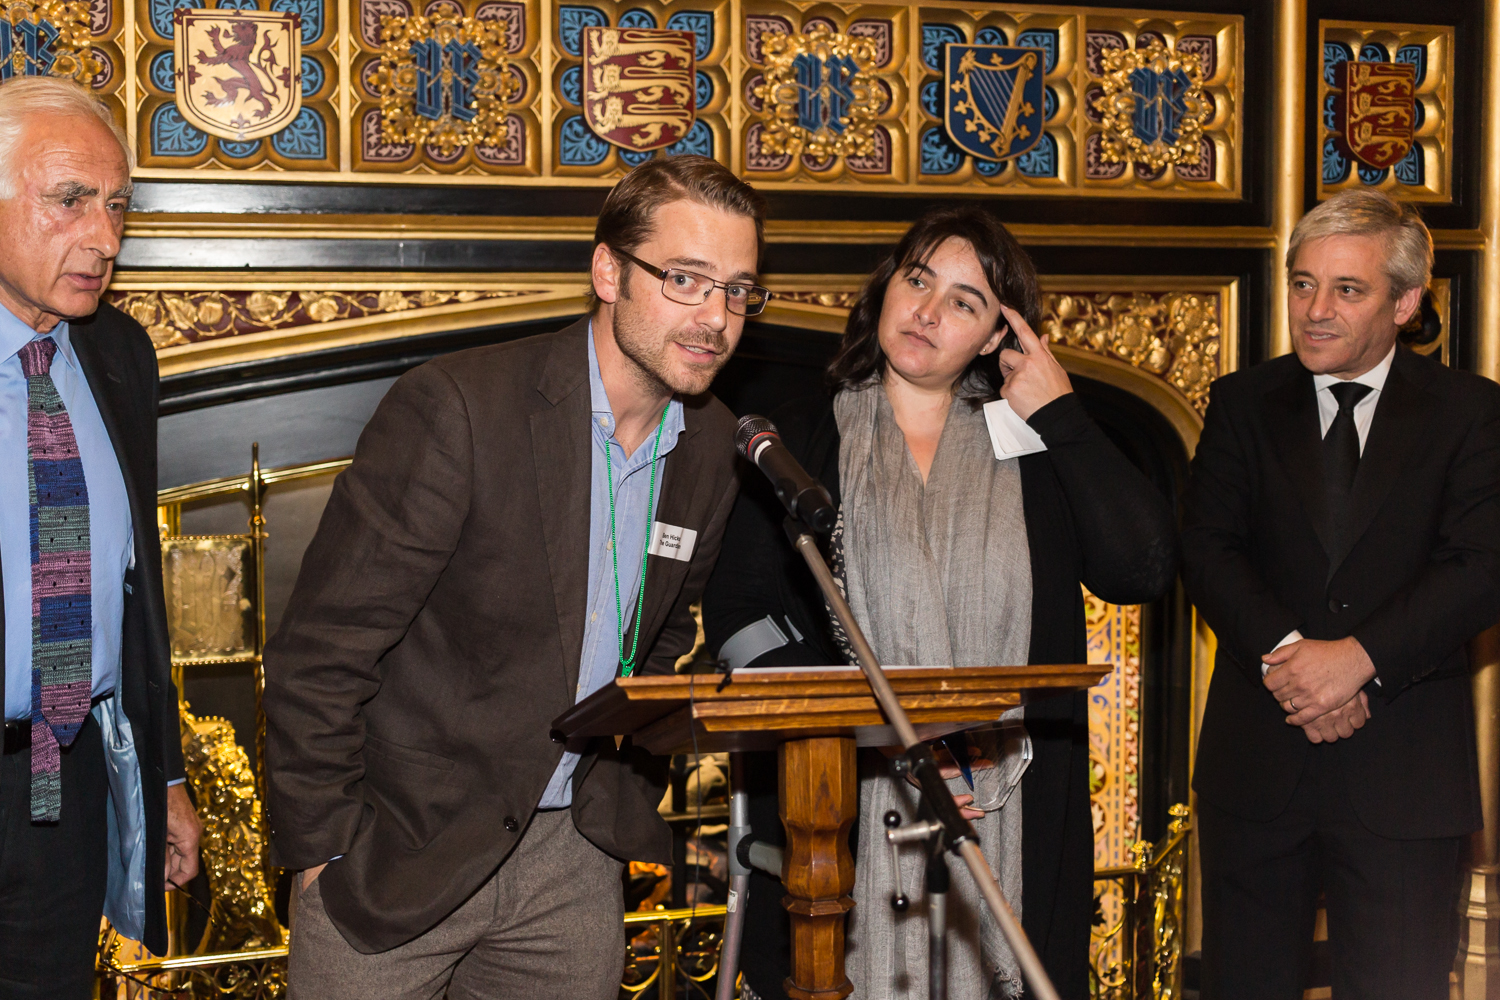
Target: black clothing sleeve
(1126, 538)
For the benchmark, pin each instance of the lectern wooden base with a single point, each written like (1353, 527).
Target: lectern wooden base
(816, 718)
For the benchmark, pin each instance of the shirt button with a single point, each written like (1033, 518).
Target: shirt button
(511, 825)
(608, 545)
(594, 617)
(603, 422)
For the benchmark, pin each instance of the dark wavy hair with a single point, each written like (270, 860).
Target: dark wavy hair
(1007, 267)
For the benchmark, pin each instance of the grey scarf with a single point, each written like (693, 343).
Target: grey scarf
(936, 574)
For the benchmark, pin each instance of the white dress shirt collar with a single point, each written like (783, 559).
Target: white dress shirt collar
(1374, 378)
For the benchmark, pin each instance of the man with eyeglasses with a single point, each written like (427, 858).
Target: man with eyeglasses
(522, 523)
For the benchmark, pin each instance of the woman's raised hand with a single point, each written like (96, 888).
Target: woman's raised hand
(1033, 378)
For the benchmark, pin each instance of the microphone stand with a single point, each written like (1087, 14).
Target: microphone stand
(955, 831)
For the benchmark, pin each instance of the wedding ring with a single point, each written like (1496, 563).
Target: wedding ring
(1293, 703)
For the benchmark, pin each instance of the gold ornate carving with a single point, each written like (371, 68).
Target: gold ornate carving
(828, 75)
(1136, 953)
(1173, 335)
(70, 52)
(832, 299)
(1172, 86)
(207, 584)
(243, 916)
(444, 81)
(187, 316)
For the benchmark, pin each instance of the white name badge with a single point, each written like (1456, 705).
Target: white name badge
(671, 541)
(1011, 436)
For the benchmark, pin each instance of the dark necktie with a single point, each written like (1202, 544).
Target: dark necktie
(61, 595)
(1341, 448)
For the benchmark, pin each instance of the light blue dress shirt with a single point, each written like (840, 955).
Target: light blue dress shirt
(601, 631)
(110, 532)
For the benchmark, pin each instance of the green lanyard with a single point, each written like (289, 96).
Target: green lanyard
(627, 664)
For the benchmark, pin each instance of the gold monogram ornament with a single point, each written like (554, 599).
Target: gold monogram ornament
(48, 39)
(1153, 105)
(444, 81)
(819, 94)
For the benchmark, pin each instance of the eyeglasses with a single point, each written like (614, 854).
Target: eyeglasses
(692, 289)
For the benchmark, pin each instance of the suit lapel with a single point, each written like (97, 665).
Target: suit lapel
(1292, 419)
(1402, 416)
(106, 384)
(560, 450)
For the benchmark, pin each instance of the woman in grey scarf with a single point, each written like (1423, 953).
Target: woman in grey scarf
(949, 555)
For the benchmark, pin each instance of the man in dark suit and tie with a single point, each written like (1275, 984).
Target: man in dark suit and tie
(93, 814)
(1341, 535)
(522, 523)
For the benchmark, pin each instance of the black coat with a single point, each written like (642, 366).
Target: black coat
(1091, 518)
(120, 364)
(1418, 575)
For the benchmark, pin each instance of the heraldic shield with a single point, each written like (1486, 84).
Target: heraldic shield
(1378, 115)
(639, 85)
(994, 99)
(239, 72)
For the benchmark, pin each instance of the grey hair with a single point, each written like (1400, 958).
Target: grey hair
(23, 97)
(1408, 244)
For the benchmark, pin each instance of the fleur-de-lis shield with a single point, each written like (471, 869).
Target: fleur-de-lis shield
(239, 72)
(993, 99)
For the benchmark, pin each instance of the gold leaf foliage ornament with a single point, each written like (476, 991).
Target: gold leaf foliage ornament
(820, 97)
(444, 81)
(1153, 106)
(51, 38)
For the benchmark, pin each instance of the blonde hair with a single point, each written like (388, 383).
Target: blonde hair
(55, 97)
(1408, 244)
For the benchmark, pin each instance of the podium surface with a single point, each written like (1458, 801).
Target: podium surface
(814, 717)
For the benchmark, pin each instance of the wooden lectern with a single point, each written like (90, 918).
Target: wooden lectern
(815, 717)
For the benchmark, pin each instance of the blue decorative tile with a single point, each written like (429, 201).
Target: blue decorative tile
(1049, 104)
(171, 135)
(703, 91)
(1374, 52)
(1041, 38)
(161, 72)
(239, 150)
(1333, 54)
(934, 37)
(1331, 111)
(932, 98)
(1335, 163)
(1417, 56)
(938, 154)
(579, 147)
(1040, 160)
(988, 168)
(306, 138)
(1412, 169)
(312, 17)
(701, 24)
(161, 14)
(1371, 175)
(571, 85)
(990, 36)
(570, 24)
(312, 76)
(699, 140)
(637, 18)
(635, 157)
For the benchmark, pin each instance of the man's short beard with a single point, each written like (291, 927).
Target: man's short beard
(647, 350)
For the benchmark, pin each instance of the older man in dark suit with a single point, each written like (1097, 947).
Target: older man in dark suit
(92, 810)
(521, 524)
(1342, 538)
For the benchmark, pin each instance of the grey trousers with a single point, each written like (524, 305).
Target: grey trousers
(546, 926)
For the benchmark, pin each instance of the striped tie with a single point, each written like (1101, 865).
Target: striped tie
(61, 594)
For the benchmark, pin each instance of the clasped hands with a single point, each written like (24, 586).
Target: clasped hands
(1319, 685)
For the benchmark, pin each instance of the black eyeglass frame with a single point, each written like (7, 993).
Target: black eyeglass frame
(664, 272)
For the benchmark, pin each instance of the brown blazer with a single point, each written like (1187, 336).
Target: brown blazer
(436, 629)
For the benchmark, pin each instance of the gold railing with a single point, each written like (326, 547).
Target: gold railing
(1137, 946)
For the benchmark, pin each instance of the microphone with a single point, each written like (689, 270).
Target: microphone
(803, 496)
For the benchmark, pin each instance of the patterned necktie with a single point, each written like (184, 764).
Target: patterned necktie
(62, 618)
